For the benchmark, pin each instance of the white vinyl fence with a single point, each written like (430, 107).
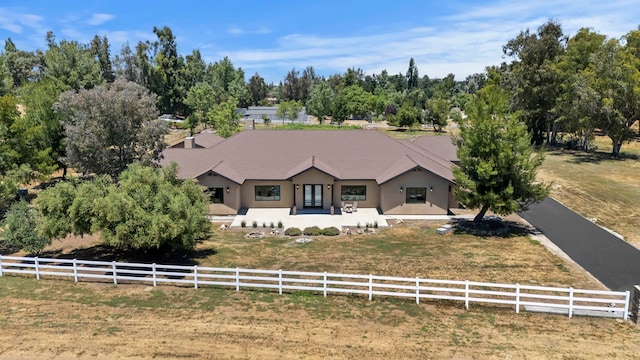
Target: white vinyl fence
(566, 301)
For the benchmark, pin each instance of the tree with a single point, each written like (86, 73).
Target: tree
(577, 103)
(225, 117)
(126, 67)
(437, 112)
(111, 126)
(497, 162)
(200, 99)
(412, 75)
(406, 116)
(21, 228)
(289, 109)
(166, 72)
(615, 76)
(23, 66)
(101, 51)
(257, 89)
(320, 103)
(291, 86)
(72, 64)
(535, 85)
(149, 208)
(47, 150)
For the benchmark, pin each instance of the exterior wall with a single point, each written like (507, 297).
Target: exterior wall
(313, 177)
(393, 201)
(373, 193)
(248, 194)
(387, 197)
(231, 198)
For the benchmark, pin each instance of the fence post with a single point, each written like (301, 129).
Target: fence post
(1, 265)
(517, 298)
(115, 274)
(153, 269)
(570, 302)
(466, 294)
(37, 263)
(324, 284)
(75, 270)
(635, 303)
(237, 279)
(417, 290)
(195, 276)
(370, 287)
(280, 281)
(625, 316)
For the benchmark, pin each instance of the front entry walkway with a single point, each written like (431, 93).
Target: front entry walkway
(305, 219)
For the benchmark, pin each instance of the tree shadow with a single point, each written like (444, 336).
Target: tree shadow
(492, 227)
(595, 157)
(6, 249)
(108, 253)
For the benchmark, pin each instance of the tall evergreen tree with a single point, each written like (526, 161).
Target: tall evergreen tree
(412, 75)
(498, 166)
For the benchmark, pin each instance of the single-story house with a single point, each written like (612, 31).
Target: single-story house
(321, 169)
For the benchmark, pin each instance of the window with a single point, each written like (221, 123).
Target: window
(416, 195)
(353, 193)
(268, 193)
(216, 195)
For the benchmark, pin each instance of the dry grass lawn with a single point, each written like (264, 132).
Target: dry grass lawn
(55, 319)
(597, 186)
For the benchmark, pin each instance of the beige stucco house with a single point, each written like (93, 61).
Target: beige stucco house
(320, 170)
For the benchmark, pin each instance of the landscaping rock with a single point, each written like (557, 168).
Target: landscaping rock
(444, 229)
(255, 235)
(303, 240)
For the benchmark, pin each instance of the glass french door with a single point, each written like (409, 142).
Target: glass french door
(313, 196)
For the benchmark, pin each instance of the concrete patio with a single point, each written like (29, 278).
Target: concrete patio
(321, 219)
(305, 219)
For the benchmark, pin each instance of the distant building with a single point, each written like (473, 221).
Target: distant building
(256, 113)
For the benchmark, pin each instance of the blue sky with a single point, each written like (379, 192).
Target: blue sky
(271, 37)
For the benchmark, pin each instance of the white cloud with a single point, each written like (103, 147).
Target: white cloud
(97, 19)
(236, 30)
(16, 22)
(462, 43)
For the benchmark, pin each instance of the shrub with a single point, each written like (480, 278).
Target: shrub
(330, 231)
(264, 224)
(271, 225)
(311, 231)
(255, 224)
(375, 224)
(243, 224)
(358, 226)
(293, 231)
(280, 225)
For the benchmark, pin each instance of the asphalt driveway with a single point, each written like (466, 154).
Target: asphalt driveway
(611, 260)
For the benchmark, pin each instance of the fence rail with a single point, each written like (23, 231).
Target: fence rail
(567, 301)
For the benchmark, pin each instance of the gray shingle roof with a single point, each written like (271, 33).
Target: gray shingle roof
(276, 155)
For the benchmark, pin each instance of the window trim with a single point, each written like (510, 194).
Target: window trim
(273, 188)
(415, 191)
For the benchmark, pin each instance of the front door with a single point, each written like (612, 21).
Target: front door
(313, 196)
